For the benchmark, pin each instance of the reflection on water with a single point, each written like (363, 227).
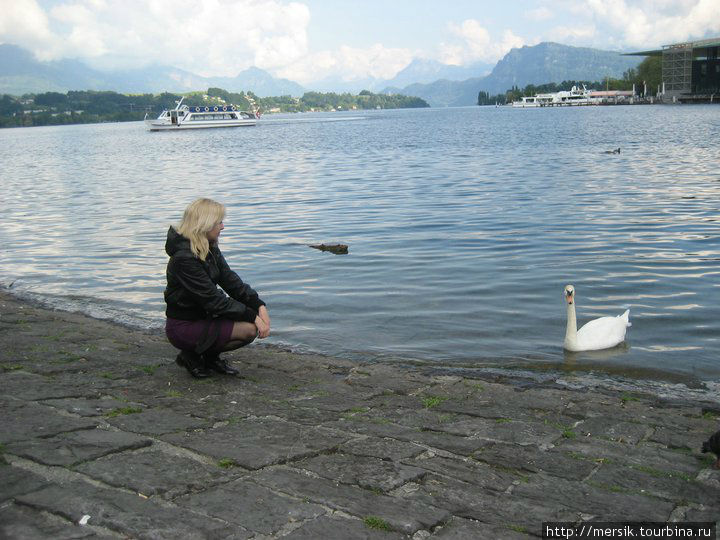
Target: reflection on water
(464, 225)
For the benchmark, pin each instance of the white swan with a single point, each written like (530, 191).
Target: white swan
(602, 333)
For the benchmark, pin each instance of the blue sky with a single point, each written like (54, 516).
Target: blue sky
(313, 40)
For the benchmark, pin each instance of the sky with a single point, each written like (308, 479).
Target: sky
(313, 40)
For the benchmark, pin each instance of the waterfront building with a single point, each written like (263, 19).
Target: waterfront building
(690, 71)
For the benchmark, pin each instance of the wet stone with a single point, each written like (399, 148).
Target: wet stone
(332, 527)
(462, 529)
(15, 481)
(75, 447)
(534, 460)
(612, 429)
(510, 431)
(20, 523)
(597, 500)
(123, 513)
(665, 484)
(369, 473)
(255, 508)
(469, 471)
(88, 407)
(31, 387)
(401, 515)
(28, 421)
(157, 422)
(156, 473)
(254, 444)
(466, 500)
(382, 448)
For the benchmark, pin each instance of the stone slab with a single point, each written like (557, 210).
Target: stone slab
(383, 448)
(254, 444)
(532, 459)
(367, 472)
(155, 472)
(335, 527)
(463, 529)
(67, 449)
(404, 516)
(253, 507)
(16, 481)
(29, 421)
(467, 470)
(123, 513)
(89, 406)
(157, 421)
(614, 430)
(17, 522)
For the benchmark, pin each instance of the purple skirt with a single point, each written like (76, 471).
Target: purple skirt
(187, 335)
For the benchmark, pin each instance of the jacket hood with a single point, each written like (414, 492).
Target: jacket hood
(175, 242)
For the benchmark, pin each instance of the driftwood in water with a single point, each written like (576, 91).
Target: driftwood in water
(337, 249)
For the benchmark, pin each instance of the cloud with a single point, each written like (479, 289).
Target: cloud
(25, 23)
(213, 37)
(643, 23)
(348, 64)
(474, 43)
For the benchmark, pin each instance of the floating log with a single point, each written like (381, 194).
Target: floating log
(337, 249)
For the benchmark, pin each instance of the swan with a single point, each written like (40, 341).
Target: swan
(602, 333)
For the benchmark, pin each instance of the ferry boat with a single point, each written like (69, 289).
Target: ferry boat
(184, 117)
(576, 96)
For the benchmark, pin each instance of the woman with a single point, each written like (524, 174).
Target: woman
(203, 321)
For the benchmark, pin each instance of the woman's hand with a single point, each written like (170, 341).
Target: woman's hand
(264, 315)
(263, 327)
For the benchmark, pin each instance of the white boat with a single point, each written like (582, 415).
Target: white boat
(184, 117)
(566, 98)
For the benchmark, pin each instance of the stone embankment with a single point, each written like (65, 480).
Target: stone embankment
(104, 436)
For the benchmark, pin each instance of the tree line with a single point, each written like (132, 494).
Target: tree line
(91, 106)
(648, 73)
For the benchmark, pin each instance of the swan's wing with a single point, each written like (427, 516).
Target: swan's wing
(603, 333)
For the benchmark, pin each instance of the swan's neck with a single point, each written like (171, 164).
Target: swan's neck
(571, 331)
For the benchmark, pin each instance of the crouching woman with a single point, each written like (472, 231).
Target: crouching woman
(210, 310)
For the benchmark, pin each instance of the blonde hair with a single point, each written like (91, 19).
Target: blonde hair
(200, 217)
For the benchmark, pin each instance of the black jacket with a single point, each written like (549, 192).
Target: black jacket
(192, 291)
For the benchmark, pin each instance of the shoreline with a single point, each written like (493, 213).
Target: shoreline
(662, 384)
(101, 422)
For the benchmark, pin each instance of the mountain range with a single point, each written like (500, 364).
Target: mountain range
(439, 84)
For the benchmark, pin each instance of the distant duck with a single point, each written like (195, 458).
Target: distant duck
(616, 151)
(713, 445)
(602, 333)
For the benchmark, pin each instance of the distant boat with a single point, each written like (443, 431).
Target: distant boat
(184, 117)
(566, 98)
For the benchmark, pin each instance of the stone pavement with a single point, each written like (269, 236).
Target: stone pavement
(101, 427)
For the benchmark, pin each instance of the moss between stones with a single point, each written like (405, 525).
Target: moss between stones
(377, 523)
(123, 410)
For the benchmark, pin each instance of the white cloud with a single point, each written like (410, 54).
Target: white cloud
(213, 37)
(348, 64)
(25, 23)
(475, 43)
(643, 23)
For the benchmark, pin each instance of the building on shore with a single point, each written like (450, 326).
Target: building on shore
(690, 71)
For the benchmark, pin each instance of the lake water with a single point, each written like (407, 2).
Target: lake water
(464, 226)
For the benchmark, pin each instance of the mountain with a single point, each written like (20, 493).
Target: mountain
(439, 84)
(539, 64)
(424, 71)
(21, 73)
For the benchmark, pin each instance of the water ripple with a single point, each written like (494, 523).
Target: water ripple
(463, 224)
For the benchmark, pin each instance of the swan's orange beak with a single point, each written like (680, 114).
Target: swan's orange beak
(569, 297)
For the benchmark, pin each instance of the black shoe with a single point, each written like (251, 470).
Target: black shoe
(193, 363)
(216, 363)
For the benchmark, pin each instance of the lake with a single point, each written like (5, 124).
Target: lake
(463, 225)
